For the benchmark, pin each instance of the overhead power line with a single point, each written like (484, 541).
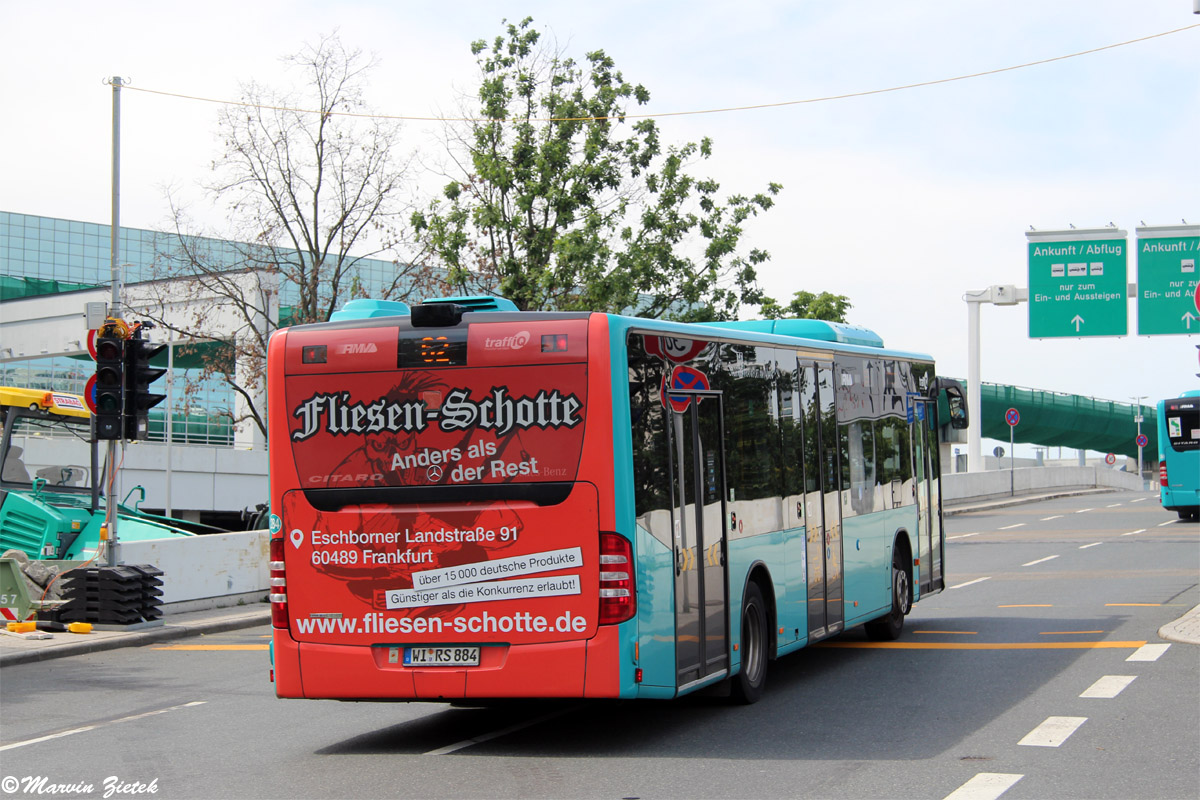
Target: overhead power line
(780, 104)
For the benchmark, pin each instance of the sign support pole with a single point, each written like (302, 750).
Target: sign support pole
(1138, 419)
(1012, 417)
(997, 295)
(1012, 484)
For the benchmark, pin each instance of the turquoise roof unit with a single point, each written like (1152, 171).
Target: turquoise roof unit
(369, 309)
(808, 329)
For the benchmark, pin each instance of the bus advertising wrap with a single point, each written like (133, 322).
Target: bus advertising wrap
(423, 569)
(443, 574)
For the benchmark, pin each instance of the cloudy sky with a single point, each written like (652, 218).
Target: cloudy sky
(903, 201)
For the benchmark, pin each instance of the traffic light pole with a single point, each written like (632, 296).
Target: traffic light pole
(110, 463)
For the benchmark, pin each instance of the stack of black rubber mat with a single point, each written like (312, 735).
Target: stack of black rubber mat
(124, 595)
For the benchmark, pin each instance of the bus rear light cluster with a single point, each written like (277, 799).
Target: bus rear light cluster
(1162, 473)
(278, 595)
(618, 593)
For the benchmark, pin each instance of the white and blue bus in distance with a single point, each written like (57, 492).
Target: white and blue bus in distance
(1179, 454)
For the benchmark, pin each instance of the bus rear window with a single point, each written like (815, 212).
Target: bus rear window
(1183, 423)
(513, 415)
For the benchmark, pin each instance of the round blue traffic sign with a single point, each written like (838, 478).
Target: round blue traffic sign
(686, 379)
(1142, 441)
(1012, 417)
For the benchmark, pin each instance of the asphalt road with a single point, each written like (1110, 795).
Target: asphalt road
(1049, 603)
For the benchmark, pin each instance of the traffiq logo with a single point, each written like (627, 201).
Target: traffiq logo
(514, 342)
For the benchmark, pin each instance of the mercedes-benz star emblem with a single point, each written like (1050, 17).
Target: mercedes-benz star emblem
(433, 474)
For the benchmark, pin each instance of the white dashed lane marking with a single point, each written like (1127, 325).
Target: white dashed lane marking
(1010, 527)
(1109, 686)
(86, 728)
(1047, 519)
(1131, 533)
(985, 786)
(1053, 732)
(968, 583)
(1093, 544)
(1148, 652)
(1039, 561)
(487, 737)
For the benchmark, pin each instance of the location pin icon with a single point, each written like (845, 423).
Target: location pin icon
(297, 537)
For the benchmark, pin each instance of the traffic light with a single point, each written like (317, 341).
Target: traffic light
(110, 387)
(138, 377)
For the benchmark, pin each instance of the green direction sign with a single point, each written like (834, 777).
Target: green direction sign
(1167, 279)
(1077, 283)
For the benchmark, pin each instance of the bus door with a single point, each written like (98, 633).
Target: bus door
(822, 509)
(934, 503)
(697, 438)
(921, 428)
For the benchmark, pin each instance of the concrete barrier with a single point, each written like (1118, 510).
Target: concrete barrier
(962, 487)
(231, 568)
(209, 571)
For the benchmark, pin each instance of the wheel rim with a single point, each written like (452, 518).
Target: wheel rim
(752, 643)
(902, 594)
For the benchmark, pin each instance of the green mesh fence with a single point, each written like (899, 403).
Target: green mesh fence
(1053, 419)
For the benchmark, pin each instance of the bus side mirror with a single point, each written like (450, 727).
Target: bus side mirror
(958, 409)
(956, 399)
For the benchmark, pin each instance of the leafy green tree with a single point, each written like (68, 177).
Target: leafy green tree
(806, 305)
(559, 201)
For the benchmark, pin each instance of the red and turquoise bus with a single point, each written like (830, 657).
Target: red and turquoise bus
(471, 502)
(1179, 454)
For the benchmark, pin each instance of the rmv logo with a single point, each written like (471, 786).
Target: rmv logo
(357, 349)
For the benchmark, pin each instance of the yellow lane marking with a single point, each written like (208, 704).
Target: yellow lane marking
(959, 633)
(1064, 633)
(1148, 605)
(1031, 605)
(981, 646)
(212, 647)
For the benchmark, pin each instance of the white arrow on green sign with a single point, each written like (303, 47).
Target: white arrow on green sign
(1077, 283)
(1168, 276)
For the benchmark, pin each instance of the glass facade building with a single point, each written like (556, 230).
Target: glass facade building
(42, 256)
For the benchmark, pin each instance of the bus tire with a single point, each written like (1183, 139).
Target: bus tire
(888, 628)
(748, 684)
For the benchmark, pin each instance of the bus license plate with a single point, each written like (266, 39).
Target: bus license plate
(441, 656)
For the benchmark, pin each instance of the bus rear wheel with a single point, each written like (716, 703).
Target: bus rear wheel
(889, 628)
(748, 684)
